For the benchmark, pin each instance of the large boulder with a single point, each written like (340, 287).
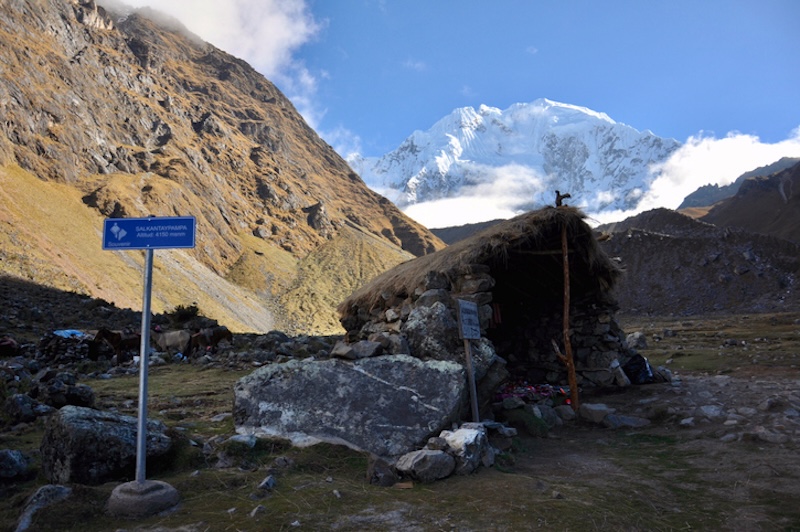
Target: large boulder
(432, 332)
(89, 446)
(386, 405)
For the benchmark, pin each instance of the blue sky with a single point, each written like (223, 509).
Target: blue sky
(673, 67)
(722, 76)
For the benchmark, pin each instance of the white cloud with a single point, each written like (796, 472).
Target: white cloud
(415, 64)
(345, 142)
(504, 192)
(706, 160)
(265, 33)
(702, 161)
(467, 92)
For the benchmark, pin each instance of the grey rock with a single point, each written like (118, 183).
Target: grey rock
(616, 421)
(594, 412)
(711, 411)
(380, 472)
(426, 465)
(20, 408)
(432, 332)
(44, 497)
(434, 295)
(386, 405)
(89, 446)
(565, 412)
(470, 447)
(636, 340)
(268, 484)
(14, 464)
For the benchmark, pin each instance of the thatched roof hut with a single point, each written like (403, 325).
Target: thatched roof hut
(523, 255)
(514, 271)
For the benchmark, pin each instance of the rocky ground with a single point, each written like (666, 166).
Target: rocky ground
(718, 451)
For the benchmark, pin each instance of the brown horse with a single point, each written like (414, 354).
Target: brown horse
(122, 342)
(208, 338)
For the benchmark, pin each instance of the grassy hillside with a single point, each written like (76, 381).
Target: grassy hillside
(49, 236)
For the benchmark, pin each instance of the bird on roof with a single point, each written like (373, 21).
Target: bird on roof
(560, 198)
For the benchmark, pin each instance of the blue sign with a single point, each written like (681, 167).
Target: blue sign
(149, 233)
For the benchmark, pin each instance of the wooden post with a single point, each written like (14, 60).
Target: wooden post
(469, 327)
(567, 359)
(473, 392)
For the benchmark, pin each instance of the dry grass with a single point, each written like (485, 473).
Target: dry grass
(740, 345)
(266, 288)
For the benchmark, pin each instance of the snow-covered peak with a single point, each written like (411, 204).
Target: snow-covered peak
(526, 151)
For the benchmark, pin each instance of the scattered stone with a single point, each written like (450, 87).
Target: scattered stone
(14, 465)
(268, 484)
(711, 411)
(258, 510)
(44, 497)
(594, 412)
(616, 421)
(380, 473)
(426, 465)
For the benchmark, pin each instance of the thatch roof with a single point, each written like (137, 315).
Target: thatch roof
(533, 236)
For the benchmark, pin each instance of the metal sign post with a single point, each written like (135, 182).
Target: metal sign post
(144, 362)
(469, 326)
(148, 234)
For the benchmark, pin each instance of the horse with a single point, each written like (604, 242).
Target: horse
(178, 341)
(122, 342)
(208, 338)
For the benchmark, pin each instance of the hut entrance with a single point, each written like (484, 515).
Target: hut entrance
(528, 306)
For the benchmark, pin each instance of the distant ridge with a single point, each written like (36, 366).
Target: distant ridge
(450, 235)
(675, 265)
(768, 205)
(708, 195)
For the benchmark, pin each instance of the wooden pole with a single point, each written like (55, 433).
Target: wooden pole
(473, 392)
(567, 359)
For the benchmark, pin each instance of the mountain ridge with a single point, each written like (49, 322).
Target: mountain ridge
(143, 119)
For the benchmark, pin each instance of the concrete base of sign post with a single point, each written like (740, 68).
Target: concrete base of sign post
(142, 499)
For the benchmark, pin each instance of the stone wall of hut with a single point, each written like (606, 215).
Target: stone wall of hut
(524, 337)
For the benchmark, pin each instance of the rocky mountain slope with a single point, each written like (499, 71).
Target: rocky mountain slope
(675, 265)
(766, 203)
(111, 114)
(538, 147)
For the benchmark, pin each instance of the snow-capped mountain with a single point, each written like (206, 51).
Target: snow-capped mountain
(526, 152)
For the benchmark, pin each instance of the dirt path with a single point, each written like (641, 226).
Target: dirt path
(720, 453)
